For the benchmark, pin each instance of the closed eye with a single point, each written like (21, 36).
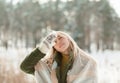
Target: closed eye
(59, 37)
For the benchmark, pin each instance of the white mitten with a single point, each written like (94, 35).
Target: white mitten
(48, 42)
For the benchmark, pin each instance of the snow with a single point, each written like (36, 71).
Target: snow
(109, 67)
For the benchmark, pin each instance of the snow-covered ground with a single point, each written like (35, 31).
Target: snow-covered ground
(109, 67)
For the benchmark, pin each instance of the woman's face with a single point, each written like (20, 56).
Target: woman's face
(62, 43)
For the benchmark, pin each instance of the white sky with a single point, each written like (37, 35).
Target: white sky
(116, 5)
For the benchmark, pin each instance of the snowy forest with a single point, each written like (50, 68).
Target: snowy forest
(93, 24)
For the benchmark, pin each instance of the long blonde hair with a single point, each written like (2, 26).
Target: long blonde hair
(74, 47)
(73, 44)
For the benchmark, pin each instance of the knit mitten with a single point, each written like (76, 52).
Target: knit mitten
(48, 42)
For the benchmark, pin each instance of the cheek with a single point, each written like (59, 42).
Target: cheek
(67, 43)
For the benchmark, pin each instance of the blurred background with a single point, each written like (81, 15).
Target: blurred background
(94, 25)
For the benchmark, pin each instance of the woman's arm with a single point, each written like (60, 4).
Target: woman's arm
(31, 60)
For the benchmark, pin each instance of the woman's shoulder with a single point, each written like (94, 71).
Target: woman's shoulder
(86, 57)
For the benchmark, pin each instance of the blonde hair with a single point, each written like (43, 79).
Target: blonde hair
(74, 47)
(73, 44)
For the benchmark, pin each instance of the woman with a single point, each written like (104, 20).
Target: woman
(58, 59)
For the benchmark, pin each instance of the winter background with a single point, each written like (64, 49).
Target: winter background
(23, 23)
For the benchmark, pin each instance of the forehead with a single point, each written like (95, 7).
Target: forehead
(61, 35)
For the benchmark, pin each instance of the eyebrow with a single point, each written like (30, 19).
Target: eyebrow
(58, 36)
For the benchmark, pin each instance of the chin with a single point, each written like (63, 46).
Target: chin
(63, 50)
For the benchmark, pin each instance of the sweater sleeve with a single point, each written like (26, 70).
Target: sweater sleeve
(31, 60)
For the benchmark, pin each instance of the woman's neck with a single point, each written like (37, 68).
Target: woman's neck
(66, 52)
